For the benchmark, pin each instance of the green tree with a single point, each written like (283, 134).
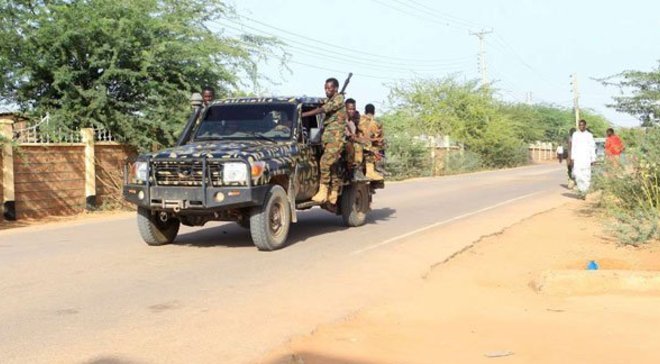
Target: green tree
(498, 132)
(126, 65)
(462, 111)
(441, 106)
(644, 99)
(549, 123)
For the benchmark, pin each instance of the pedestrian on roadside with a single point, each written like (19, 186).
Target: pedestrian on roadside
(613, 146)
(560, 153)
(583, 155)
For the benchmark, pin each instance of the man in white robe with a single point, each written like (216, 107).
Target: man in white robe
(583, 155)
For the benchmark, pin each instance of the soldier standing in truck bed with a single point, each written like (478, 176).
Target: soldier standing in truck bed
(333, 139)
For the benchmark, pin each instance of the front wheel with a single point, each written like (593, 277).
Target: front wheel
(269, 224)
(154, 230)
(355, 204)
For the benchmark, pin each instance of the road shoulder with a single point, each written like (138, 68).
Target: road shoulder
(482, 303)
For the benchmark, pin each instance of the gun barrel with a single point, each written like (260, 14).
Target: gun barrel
(348, 80)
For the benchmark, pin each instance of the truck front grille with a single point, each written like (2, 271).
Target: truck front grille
(178, 173)
(186, 173)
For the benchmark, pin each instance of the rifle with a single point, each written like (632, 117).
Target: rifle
(348, 80)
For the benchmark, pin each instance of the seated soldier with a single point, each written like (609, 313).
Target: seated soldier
(280, 122)
(354, 147)
(371, 130)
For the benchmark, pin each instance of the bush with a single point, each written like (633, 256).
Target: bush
(407, 158)
(462, 162)
(499, 146)
(631, 193)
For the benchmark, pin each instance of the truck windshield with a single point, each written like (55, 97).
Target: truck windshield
(247, 121)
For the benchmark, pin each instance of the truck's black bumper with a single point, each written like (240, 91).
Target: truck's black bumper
(195, 198)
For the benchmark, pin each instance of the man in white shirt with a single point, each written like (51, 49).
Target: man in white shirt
(583, 155)
(560, 153)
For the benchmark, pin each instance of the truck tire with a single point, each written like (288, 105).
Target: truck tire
(155, 232)
(269, 224)
(355, 204)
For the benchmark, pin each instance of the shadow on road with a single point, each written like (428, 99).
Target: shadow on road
(111, 360)
(316, 358)
(310, 224)
(229, 235)
(572, 195)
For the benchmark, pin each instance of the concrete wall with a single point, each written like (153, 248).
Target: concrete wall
(439, 156)
(542, 155)
(110, 160)
(46, 179)
(1, 188)
(49, 180)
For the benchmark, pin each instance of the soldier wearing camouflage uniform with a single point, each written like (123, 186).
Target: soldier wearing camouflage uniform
(372, 130)
(355, 144)
(333, 139)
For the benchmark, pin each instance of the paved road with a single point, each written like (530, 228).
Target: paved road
(94, 293)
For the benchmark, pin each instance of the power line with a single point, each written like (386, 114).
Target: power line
(352, 62)
(361, 53)
(466, 24)
(506, 47)
(347, 59)
(344, 71)
(412, 14)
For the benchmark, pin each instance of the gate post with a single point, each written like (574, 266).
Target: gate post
(90, 168)
(8, 192)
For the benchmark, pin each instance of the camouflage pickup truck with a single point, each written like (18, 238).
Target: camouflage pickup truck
(254, 161)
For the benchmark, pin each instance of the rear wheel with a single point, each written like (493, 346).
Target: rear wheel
(154, 230)
(269, 224)
(355, 204)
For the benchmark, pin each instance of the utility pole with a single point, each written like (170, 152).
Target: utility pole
(576, 97)
(529, 98)
(482, 55)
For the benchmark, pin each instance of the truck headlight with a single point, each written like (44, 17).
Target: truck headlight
(234, 173)
(138, 173)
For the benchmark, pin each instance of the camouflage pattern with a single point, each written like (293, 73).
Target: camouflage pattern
(333, 145)
(278, 157)
(371, 129)
(333, 139)
(335, 113)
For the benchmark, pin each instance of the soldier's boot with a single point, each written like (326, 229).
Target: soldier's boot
(322, 195)
(334, 195)
(358, 176)
(359, 154)
(372, 175)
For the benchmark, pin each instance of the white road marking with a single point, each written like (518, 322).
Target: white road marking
(440, 223)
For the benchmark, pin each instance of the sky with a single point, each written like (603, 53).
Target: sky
(534, 46)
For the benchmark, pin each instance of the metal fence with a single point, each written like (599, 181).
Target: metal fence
(41, 133)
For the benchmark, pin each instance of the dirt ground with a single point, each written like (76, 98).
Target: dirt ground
(69, 219)
(482, 305)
